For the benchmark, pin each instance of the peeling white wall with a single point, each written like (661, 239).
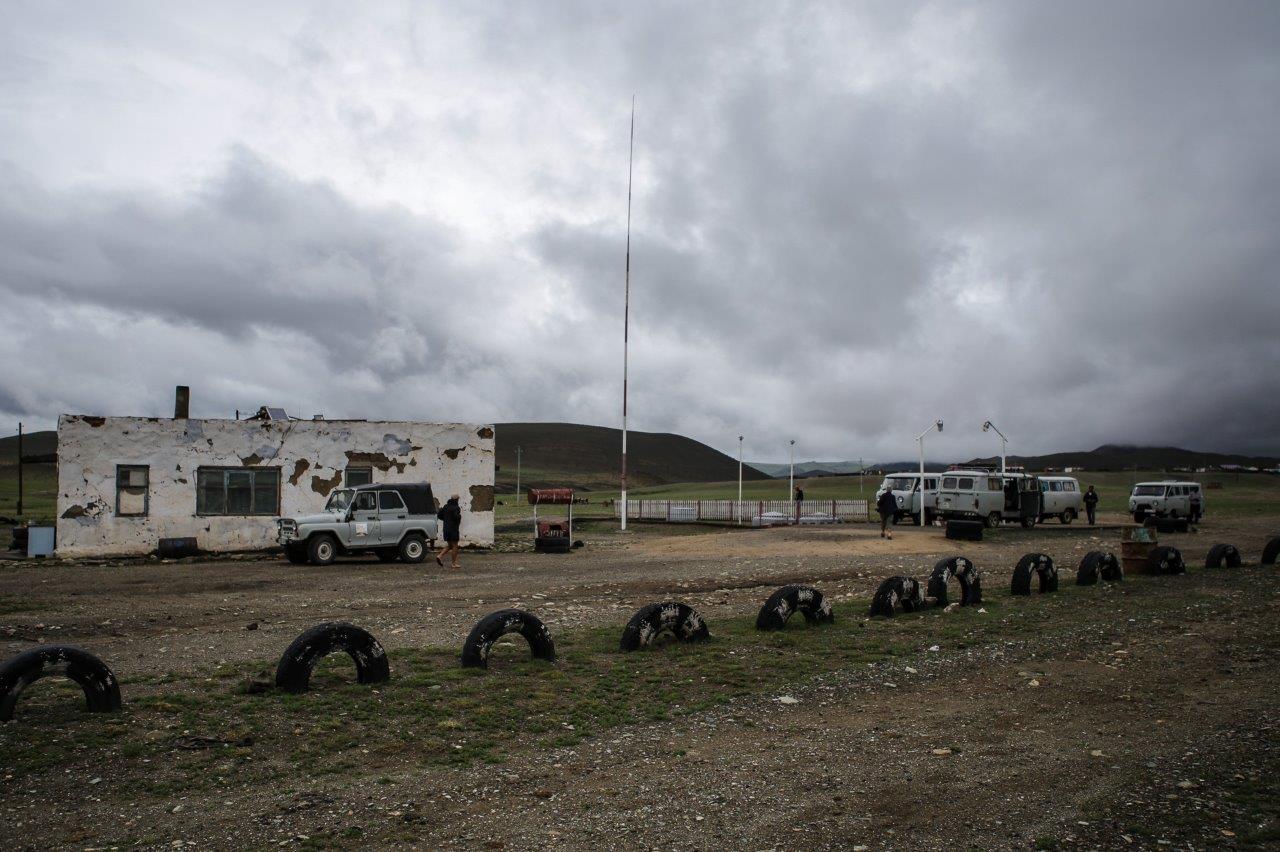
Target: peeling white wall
(311, 454)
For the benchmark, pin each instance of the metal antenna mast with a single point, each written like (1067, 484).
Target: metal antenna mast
(626, 312)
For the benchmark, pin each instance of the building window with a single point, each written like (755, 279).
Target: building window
(132, 499)
(358, 476)
(238, 491)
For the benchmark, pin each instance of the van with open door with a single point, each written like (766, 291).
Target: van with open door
(983, 495)
(1061, 498)
(907, 494)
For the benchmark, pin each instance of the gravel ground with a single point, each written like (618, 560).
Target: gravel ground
(1147, 719)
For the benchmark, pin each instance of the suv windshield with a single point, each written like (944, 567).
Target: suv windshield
(339, 500)
(1148, 491)
(900, 483)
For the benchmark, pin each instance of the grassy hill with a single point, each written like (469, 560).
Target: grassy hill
(1127, 457)
(41, 444)
(587, 457)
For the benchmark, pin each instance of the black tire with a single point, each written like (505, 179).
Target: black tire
(673, 617)
(897, 590)
(992, 520)
(1028, 522)
(965, 572)
(101, 690)
(413, 549)
(1034, 563)
(1099, 564)
(293, 674)
(322, 549)
(1271, 552)
(1222, 556)
(1068, 516)
(385, 554)
(791, 599)
(965, 530)
(1166, 560)
(475, 651)
(295, 554)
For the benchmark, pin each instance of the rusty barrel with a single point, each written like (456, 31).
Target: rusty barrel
(550, 496)
(1136, 543)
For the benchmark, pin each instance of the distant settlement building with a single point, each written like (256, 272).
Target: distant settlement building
(124, 483)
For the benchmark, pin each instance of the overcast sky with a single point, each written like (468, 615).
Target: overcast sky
(849, 219)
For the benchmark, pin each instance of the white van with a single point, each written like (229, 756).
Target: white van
(1060, 498)
(1166, 498)
(906, 491)
(982, 495)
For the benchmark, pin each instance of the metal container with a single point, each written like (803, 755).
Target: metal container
(40, 541)
(1136, 543)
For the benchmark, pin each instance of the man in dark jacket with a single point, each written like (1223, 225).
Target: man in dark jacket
(1091, 504)
(450, 516)
(887, 506)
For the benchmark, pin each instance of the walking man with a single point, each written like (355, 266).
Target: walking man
(1091, 504)
(450, 516)
(887, 506)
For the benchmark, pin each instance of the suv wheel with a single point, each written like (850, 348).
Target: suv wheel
(1068, 516)
(322, 550)
(993, 520)
(413, 548)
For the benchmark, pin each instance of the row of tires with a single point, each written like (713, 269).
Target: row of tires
(293, 672)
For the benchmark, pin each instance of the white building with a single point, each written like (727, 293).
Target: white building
(124, 483)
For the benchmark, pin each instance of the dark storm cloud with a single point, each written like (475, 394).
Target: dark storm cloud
(849, 220)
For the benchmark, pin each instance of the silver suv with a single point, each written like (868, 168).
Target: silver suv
(392, 520)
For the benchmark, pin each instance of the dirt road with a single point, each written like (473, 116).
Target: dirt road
(1127, 717)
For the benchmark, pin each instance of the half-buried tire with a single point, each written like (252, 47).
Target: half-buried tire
(101, 690)
(1166, 560)
(475, 651)
(1271, 552)
(1040, 564)
(788, 600)
(1099, 564)
(681, 620)
(897, 590)
(293, 674)
(965, 572)
(1222, 556)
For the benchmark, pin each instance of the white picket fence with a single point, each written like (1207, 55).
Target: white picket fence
(747, 512)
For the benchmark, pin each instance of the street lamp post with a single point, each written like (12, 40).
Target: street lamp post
(920, 440)
(793, 470)
(1004, 444)
(739, 506)
(519, 451)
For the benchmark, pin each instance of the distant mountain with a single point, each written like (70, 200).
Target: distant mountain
(589, 456)
(1129, 457)
(809, 468)
(37, 447)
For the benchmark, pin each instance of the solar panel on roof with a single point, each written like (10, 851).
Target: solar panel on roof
(276, 414)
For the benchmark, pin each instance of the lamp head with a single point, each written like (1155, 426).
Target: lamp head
(939, 425)
(986, 426)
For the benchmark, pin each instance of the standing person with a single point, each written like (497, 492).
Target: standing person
(887, 506)
(450, 516)
(799, 494)
(1195, 506)
(1091, 504)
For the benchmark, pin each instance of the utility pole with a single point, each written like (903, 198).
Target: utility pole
(626, 313)
(793, 470)
(518, 452)
(739, 507)
(19, 513)
(860, 466)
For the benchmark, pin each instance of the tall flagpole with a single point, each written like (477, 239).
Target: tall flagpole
(626, 313)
